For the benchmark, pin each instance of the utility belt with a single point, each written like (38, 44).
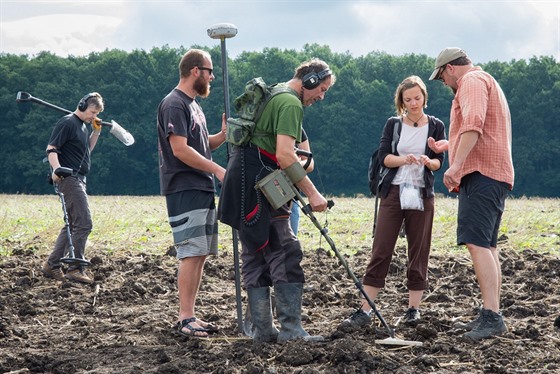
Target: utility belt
(78, 175)
(81, 177)
(270, 156)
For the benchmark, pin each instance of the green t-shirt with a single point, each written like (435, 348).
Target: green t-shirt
(282, 115)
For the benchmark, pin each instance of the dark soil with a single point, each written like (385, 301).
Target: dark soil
(123, 322)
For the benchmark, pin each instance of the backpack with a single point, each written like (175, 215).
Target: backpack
(376, 171)
(249, 107)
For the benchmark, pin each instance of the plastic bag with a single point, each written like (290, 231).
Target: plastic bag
(410, 194)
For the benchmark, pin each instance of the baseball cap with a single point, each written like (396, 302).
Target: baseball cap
(445, 57)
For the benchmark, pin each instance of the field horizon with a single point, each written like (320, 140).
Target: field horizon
(139, 223)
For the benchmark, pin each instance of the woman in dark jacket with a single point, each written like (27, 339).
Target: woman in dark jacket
(411, 164)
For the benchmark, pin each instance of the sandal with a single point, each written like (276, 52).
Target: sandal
(210, 327)
(196, 332)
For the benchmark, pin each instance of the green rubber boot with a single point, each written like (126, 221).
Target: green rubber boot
(288, 310)
(262, 329)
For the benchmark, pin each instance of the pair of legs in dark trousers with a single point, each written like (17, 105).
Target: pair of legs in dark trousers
(418, 227)
(79, 218)
(277, 265)
(278, 262)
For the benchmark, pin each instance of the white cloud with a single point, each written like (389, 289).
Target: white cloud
(488, 30)
(64, 34)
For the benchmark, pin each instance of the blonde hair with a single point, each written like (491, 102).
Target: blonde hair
(408, 83)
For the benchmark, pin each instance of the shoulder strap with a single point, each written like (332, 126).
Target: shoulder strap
(396, 135)
(385, 170)
(275, 90)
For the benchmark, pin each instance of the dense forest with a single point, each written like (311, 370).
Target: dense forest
(343, 129)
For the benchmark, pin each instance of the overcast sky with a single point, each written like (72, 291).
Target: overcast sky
(488, 30)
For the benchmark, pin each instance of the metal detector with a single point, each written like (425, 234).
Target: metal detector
(69, 258)
(279, 189)
(306, 208)
(115, 129)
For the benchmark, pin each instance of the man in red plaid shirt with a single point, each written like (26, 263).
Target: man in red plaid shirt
(481, 170)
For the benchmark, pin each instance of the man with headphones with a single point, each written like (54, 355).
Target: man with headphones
(271, 252)
(70, 146)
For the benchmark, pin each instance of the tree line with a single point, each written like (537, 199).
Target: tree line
(343, 129)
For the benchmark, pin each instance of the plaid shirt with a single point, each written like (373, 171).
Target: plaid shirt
(480, 105)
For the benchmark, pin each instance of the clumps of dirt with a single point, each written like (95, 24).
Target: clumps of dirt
(123, 323)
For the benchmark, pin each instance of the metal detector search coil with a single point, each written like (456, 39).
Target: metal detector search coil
(277, 188)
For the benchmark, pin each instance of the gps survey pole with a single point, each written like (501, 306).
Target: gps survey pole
(223, 31)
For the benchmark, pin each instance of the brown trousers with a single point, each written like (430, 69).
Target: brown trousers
(418, 227)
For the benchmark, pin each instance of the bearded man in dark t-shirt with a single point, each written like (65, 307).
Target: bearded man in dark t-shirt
(187, 181)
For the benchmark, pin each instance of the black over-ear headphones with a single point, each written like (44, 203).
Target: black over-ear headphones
(313, 79)
(83, 105)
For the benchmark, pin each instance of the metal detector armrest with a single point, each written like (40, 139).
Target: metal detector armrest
(308, 155)
(63, 172)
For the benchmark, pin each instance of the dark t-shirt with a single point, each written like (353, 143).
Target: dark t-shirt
(180, 115)
(71, 137)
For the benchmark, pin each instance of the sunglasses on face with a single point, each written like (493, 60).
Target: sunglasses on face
(207, 69)
(441, 72)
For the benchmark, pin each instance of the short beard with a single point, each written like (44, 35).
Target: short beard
(201, 87)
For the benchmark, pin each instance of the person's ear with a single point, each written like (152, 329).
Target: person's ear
(450, 68)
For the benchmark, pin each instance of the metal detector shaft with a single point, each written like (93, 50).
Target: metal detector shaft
(71, 257)
(307, 210)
